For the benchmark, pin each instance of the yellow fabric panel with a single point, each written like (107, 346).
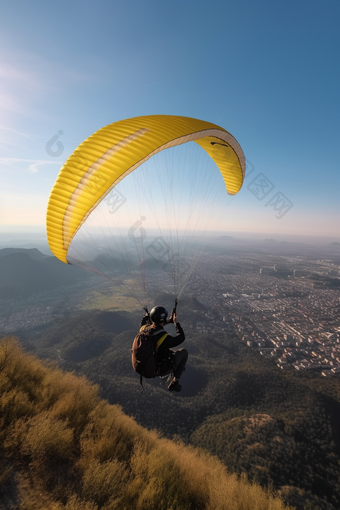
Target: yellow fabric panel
(98, 164)
(227, 161)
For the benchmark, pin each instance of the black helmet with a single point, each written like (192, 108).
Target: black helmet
(158, 314)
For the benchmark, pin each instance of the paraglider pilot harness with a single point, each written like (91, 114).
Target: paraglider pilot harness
(161, 340)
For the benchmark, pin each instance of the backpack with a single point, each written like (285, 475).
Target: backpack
(144, 352)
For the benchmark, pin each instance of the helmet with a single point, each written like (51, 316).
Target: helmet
(158, 314)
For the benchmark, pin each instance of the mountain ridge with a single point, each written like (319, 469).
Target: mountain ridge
(65, 448)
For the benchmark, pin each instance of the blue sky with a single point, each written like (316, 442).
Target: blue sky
(266, 71)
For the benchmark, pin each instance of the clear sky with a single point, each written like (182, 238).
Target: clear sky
(266, 71)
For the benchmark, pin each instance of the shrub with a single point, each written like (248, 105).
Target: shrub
(104, 482)
(48, 437)
(75, 503)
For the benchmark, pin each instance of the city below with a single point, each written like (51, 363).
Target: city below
(282, 300)
(285, 307)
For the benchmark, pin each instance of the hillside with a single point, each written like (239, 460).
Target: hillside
(280, 428)
(24, 271)
(33, 253)
(63, 448)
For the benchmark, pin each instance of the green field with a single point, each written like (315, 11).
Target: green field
(115, 301)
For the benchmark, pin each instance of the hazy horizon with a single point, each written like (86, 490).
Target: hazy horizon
(21, 235)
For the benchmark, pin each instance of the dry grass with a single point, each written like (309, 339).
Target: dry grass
(73, 451)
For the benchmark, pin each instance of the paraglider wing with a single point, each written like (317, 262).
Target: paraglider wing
(106, 157)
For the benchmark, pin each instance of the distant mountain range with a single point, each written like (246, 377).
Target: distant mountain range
(33, 253)
(24, 271)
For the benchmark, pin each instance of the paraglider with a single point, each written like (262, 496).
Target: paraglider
(152, 348)
(100, 207)
(132, 178)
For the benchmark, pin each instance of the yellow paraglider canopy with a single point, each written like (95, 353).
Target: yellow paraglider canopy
(106, 157)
